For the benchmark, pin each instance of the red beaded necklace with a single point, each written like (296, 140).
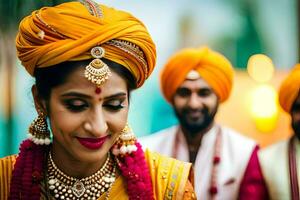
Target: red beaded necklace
(213, 189)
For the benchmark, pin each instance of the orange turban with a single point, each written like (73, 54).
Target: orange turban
(214, 68)
(69, 31)
(289, 89)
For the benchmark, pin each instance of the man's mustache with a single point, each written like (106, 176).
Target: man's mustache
(188, 111)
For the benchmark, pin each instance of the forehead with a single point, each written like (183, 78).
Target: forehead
(76, 80)
(196, 84)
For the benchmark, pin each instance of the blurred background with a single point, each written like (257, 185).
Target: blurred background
(260, 38)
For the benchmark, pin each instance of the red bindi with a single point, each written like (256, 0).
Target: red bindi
(98, 90)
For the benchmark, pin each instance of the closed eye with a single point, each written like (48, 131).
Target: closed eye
(75, 105)
(115, 104)
(183, 92)
(204, 92)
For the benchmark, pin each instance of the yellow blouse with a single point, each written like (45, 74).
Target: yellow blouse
(170, 179)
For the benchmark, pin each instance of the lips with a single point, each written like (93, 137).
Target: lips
(92, 143)
(195, 114)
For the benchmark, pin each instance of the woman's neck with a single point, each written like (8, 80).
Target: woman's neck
(73, 167)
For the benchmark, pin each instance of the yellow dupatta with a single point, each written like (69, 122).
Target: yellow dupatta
(6, 168)
(170, 179)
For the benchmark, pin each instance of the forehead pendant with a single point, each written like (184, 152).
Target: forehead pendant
(97, 71)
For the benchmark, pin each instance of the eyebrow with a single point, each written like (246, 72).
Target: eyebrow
(77, 94)
(186, 88)
(120, 94)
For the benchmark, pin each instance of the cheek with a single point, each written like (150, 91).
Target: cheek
(212, 102)
(179, 102)
(63, 122)
(117, 121)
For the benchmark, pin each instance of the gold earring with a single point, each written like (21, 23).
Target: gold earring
(38, 130)
(125, 143)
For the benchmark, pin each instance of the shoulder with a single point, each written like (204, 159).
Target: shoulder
(279, 146)
(6, 168)
(161, 134)
(159, 137)
(7, 162)
(273, 161)
(169, 176)
(155, 160)
(237, 148)
(238, 139)
(274, 150)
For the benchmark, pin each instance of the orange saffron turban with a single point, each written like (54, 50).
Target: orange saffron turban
(69, 31)
(289, 89)
(213, 67)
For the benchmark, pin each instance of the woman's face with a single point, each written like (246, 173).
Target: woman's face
(85, 124)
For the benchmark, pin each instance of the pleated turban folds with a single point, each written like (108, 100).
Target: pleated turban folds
(213, 67)
(69, 31)
(289, 89)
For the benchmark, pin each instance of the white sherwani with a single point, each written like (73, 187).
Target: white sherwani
(236, 151)
(275, 167)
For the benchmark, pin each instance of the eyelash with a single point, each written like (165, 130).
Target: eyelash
(75, 108)
(114, 108)
(78, 108)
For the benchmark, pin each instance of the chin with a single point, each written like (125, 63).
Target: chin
(91, 157)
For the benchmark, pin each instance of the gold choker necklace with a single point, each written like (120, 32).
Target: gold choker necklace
(63, 186)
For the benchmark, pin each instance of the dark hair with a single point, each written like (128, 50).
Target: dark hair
(50, 77)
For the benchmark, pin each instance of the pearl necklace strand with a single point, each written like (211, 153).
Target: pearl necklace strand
(66, 187)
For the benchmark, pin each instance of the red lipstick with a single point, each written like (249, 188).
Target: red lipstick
(92, 143)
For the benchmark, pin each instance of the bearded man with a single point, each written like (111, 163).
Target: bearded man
(195, 81)
(280, 161)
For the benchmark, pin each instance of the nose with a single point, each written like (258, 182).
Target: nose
(96, 123)
(195, 102)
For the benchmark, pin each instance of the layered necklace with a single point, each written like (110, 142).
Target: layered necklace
(92, 187)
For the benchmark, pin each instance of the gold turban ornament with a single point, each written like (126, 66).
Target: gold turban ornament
(69, 31)
(213, 67)
(289, 89)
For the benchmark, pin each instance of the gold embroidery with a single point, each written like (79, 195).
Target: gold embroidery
(92, 7)
(132, 49)
(48, 26)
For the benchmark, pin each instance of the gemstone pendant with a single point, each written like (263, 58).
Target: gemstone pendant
(78, 188)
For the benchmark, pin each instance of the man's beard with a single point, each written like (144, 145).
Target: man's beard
(196, 125)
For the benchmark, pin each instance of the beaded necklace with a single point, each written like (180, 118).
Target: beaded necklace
(213, 189)
(92, 187)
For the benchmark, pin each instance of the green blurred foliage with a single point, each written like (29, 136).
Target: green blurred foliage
(12, 11)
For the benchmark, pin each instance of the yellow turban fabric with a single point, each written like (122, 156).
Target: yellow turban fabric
(289, 89)
(213, 67)
(69, 31)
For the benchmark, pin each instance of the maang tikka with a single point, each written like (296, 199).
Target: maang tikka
(38, 130)
(97, 71)
(125, 143)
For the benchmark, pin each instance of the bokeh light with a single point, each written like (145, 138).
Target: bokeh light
(260, 67)
(264, 107)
